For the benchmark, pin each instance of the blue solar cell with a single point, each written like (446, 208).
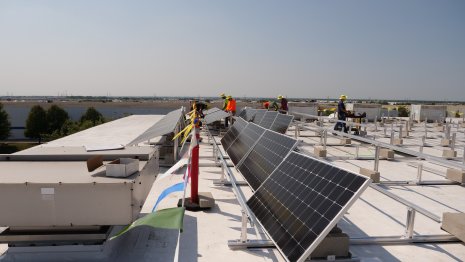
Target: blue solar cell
(233, 132)
(259, 113)
(244, 141)
(302, 200)
(268, 119)
(268, 153)
(281, 123)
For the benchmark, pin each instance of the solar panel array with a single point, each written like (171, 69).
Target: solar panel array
(268, 119)
(244, 141)
(301, 201)
(164, 126)
(281, 123)
(215, 116)
(259, 113)
(250, 114)
(265, 156)
(233, 132)
(211, 110)
(243, 113)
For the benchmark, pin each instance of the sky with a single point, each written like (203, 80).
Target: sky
(391, 49)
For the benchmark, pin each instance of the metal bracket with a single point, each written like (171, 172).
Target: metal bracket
(410, 223)
(238, 244)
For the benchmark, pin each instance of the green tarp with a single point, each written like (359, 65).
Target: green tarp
(171, 218)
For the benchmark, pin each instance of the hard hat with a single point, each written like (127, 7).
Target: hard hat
(222, 95)
(343, 97)
(229, 97)
(280, 97)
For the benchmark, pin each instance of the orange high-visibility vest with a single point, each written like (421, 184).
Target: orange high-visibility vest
(266, 105)
(231, 106)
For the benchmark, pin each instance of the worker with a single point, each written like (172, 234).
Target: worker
(199, 106)
(225, 104)
(225, 101)
(231, 108)
(341, 114)
(283, 108)
(266, 104)
(274, 106)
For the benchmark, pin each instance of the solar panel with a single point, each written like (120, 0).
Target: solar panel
(233, 132)
(247, 113)
(244, 141)
(265, 156)
(301, 201)
(268, 119)
(165, 126)
(243, 113)
(281, 123)
(211, 110)
(215, 116)
(259, 113)
(250, 113)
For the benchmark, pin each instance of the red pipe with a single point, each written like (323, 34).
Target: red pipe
(194, 171)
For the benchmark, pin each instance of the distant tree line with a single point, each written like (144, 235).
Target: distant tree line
(50, 124)
(5, 124)
(55, 122)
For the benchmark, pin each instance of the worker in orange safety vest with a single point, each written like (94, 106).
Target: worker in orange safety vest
(231, 109)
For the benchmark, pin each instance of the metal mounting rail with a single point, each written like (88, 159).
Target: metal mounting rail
(407, 203)
(239, 195)
(401, 240)
(381, 240)
(411, 207)
(322, 118)
(430, 158)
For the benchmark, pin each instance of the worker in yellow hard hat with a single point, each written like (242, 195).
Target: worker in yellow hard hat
(225, 101)
(231, 109)
(199, 106)
(283, 108)
(225, 105)
(341, 114)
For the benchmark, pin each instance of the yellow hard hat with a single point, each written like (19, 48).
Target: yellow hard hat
(280, 97)
(222, 95)
(229, 97)
(343, 97)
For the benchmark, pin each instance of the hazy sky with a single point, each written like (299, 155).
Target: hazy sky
(364, 49)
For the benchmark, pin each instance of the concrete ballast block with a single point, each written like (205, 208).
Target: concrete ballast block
(374, 175)
(319, 151)
(336, 244)
(454, 223)
(206, 200)
(345, 141)
(386, 153)
(456, 175)
(445, 142)
(449, 153)
(397, 141)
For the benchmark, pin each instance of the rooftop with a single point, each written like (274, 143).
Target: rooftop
(374, 214)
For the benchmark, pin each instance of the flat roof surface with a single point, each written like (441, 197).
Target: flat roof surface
(206, 233)
(374, 214)
(117, 132)
(49, 151)
(50, 172)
